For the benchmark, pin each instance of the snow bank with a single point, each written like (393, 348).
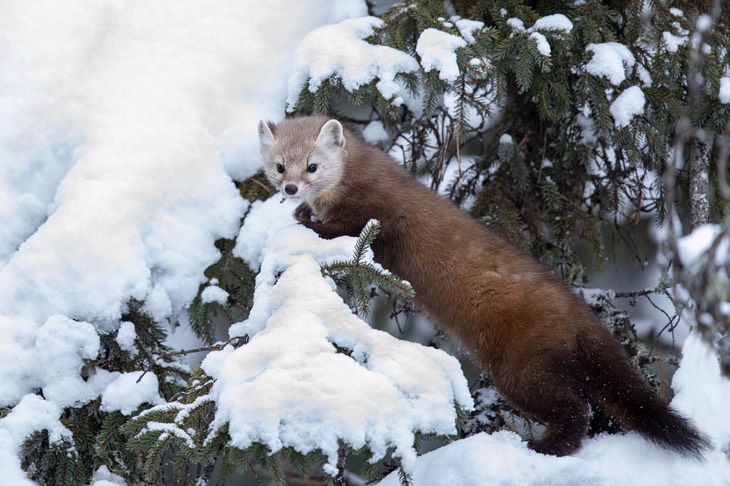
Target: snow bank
(121, 126)
(302, 392)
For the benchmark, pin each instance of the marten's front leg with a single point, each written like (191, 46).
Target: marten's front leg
(328, 230)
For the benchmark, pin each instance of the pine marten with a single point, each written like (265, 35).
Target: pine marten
(547, 352)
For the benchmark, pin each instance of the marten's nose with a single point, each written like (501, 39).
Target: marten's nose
(290, 189)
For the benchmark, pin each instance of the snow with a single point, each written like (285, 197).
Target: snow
(375, 132)
(702, 391)
(31, 414)
(467, 28)
(516, 24)
(213, 293)
(673, 42)
(503, 458)
(693, 247)
(437, 50)
(104, 477)
(610, 60)
(543, 46)
(554, 23)
(128, 391)
(557, 23)
(339, 50)
(724, 93)
(316, 397)
(126, 336)
(506, 139)
(122, 128)
(629, 104)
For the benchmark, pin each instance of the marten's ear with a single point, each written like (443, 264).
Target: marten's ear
(332, 134)
(266, 135)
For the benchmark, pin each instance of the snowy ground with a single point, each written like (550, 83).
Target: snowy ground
(122, 125)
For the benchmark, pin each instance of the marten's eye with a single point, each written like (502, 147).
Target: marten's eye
(311, 168)
(280, 168)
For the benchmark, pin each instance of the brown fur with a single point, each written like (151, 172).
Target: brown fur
(548, 354)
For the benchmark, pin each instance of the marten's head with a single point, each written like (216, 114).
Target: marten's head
(303, 157)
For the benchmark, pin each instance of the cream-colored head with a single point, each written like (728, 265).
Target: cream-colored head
(303, 158)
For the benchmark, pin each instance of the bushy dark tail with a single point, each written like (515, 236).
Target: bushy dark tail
(617, 389)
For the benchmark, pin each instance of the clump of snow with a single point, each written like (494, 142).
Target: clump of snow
(673, 42)
(553, 23)
(506, 139)
(437, 50)
(315, 396)
(516, 24)
(610, 60)
(340, 50)
(543, 46)
(375, 132)
(644, 75)
(213, 293)
(627, 105)
(467, 28)
(128, 391)
(31, 414)
(126, 336)
(724, 93)
(557, 23)
(104, 477)
(64, 344)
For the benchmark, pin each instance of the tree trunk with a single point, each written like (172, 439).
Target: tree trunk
(699, 182)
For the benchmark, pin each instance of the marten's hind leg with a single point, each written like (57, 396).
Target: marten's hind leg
(566, 425)
(553, 397)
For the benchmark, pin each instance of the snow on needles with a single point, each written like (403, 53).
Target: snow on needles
(627, 105)
(724, 93)
(305, 394)
(610, 60)
(339, 50)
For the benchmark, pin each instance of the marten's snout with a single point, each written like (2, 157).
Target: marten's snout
(290, 189)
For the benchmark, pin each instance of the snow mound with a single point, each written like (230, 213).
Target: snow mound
(292, 386)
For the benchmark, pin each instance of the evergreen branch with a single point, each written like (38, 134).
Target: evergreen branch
(358, 275)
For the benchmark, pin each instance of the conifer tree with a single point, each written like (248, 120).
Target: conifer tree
(546, 148)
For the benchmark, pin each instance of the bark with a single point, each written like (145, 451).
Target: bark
(699, 183)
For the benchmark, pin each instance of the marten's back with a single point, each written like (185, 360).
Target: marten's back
(467, 278)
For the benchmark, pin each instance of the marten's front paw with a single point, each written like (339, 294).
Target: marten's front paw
(303, 213)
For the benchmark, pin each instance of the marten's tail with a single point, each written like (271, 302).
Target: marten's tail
(616, 388)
